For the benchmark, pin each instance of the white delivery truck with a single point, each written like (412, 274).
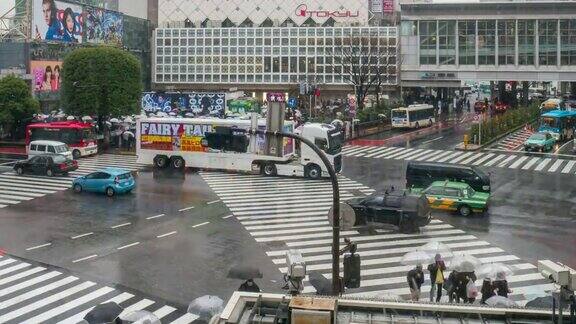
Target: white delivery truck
(185, 142)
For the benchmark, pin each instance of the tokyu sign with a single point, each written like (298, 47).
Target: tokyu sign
(303, 11)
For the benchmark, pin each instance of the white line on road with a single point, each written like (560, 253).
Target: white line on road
(185, 209)
(121, 225)
(127, 246)
(227, 216)
(201, 224)
(212, 202)
(167, 234)
(81, 235)
(38, 246)
(85, 258)
(157, 216)
(432, 140)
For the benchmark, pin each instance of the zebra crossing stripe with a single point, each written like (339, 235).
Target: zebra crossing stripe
(396, 150)
(381, 150)
(409, 153)
(361, 150)
(413, 157)
(27, 283)
(484, 158)
(439, 155)
(542, 164)
(568, 166)
(508, 159)
(446, 158)
(78, 317)
(517, 163)
(495, 159)
(472, 158)
(430, 154)
(530, 163)
(356, 149)
(459, 158)
(37, 292)
(555, 166)
(137, 306)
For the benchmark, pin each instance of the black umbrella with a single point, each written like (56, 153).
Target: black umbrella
(540, 302)
(103, 313)
(244, 273)
(322, 285)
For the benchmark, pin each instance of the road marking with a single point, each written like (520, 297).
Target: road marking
(186, 318)
(555, 166)
(561, 147)
(542, 164)
(38, 246)
(27, 283)
(517, 163)
(127, 246)
(167, 234)
(212, 202)
(85, 258)
(225, 217)
(494, 160)
(486, 157)
(201, 224)
(121, 225)
(81, 235)
(508, 159)
(185, 209)
(568, 166)
(157, 216)
(432, 140)
(530, 163)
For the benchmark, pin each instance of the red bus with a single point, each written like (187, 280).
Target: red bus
(79, 136)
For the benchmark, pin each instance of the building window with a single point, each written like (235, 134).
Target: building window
(548, 42)
(428, 39)
(447, 42)
(526, 42)
(486, 42)
(568, 42)
(506, 42)
(467, 42)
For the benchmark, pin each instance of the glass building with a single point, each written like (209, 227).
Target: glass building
(269, 56)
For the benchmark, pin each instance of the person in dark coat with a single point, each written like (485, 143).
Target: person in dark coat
(487, 290)
(461, 286)
(415, 279)
(250, 286)
(450, 286)
(501, 285)
(436, 277)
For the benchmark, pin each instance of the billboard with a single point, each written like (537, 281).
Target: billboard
(388, 6)
(197, 103)
(103, 26)
(46, 75)
(57, 21)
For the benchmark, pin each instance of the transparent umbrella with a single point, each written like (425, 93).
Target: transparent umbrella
(206, 306)
(501, 301)
(464, 262)
(416, 257)
(114, 120)
(70, 118)
(490, 270)
(128, 119)
(141, 317)
(86, 118)
(435, 247)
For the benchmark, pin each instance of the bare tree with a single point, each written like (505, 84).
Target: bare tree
(363, 65)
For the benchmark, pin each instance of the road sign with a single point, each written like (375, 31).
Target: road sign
(292, 102)
(347, 217)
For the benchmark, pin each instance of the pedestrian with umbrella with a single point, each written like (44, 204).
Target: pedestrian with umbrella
(436, 270)
(322, 285)
(104, 313)
(206, 306)
(415, 279)
(247, 273)
(487, 290)
(501, 285)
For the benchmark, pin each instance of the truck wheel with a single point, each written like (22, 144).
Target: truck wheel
(269, 169)
(314, 172)
(161, 161)
(177, 163)
(76, 154)
(464, 210)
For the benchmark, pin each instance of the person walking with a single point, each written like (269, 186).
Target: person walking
(487, 290)
(436, 270)
(250, 286)
(466, 287)
(501, 285)
(415, 279)
(468, 104)
(450, 286)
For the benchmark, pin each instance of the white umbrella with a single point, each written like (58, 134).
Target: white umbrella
(464, 262)
(206, 306)
(114, 120)
(491, 270)
(189, 114)
(86, 118)
(501, 301)
(128, 120)
(141, 317)
(70, 118)
(416, 258)
(127, 134)
(161, 114)
(172, 113)
(435, 247)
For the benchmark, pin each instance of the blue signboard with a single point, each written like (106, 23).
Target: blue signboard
(292, 102)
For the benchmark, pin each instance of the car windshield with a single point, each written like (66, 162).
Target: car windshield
(59, 158)
(398, 113)
(538, 137)
(61, 148)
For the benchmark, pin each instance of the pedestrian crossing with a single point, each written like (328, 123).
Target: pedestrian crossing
(514, 141)
(538, 163)
(15, 189)
(290, 213)
(30, 293)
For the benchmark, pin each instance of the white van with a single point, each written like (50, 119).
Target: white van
(54, 147)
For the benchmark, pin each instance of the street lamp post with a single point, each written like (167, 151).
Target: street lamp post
(335, 202)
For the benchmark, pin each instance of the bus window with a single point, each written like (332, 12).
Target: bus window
(398, 113)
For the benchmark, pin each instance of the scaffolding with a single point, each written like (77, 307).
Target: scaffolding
(16, 21)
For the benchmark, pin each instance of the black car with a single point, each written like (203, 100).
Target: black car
(422, 174)
(46, 164)
(407, 212)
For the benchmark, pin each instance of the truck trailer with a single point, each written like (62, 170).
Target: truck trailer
(224, 144)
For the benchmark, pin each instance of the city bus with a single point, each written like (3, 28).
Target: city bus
(413, 116)
(79, 136)
(559, 123)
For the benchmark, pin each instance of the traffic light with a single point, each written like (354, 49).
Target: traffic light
(224, 139)
(351, 270)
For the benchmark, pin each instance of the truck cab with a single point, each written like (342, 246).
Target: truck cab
(329, 139)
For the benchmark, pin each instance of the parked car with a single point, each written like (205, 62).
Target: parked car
(541, 141)
(423, 174)
(110, 181)
(455, 196)
(50, 147)
(407, 212)
(480, 107)
(501, 107)
(46, 164)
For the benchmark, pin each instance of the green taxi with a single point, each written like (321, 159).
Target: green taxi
(454, 196)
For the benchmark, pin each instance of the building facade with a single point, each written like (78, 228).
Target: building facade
(445, 44)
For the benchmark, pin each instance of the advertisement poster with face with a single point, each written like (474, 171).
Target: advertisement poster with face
(103, 26)
(46, 75)
(57, 21)
(165, 102)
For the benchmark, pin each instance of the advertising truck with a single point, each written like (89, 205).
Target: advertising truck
(224, 144)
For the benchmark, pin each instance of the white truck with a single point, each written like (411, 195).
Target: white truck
(184, 142)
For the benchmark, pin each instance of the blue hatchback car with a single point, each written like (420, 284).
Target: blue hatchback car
(109, 181)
